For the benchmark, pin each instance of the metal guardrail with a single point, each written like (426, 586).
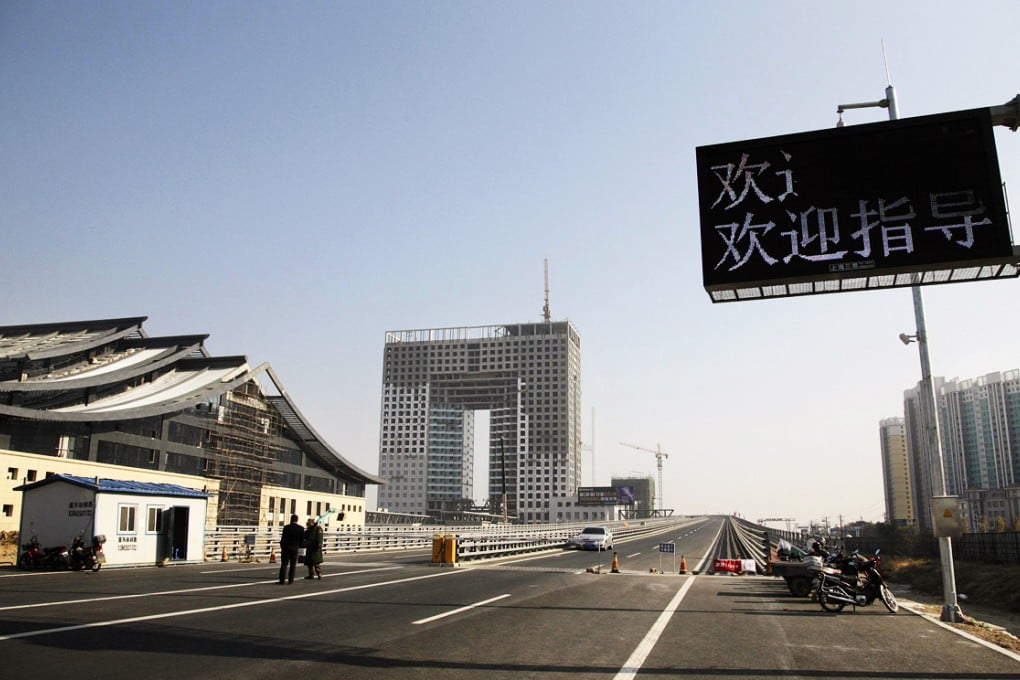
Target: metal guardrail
(251, 544)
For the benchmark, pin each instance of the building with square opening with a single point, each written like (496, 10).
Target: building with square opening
(526, 375)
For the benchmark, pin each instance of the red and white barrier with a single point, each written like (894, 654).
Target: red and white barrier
(735, 566)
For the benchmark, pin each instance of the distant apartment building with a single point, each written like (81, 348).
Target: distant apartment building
(896, 477)
(526, 375)
(979, 423)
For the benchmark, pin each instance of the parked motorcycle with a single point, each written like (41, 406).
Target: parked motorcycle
(34, 556)
(87, 556)
(832, 564)
(837, 591)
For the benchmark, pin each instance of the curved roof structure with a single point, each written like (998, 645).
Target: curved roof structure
(110, 370)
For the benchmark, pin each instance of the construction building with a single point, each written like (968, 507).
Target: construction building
(105, 393)
(643, 489)
(526, 375)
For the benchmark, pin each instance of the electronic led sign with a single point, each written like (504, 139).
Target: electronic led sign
(854, 208)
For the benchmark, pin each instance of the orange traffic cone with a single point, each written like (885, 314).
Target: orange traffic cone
(272, 555)
(224, 557)
(683, 564)
(616, 564)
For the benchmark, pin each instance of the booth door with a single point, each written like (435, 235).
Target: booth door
(174, 543)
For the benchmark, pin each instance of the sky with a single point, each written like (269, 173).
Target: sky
(296, 179)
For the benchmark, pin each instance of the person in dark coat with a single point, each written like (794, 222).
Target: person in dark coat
(313, 549)
(291, 540)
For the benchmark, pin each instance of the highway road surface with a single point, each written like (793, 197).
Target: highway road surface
(394, 616)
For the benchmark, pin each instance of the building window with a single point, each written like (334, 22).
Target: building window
(12, 473)
(127, 519)
(31, 475)
(8, 510)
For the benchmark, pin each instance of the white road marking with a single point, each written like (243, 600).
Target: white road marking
(640, 653)
(634, 555)
(202, 610)
(461, 609)
(170, 592)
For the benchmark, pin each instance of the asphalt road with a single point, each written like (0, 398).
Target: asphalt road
(394, 616)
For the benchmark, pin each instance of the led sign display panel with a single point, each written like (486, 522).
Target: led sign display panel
(898, 196)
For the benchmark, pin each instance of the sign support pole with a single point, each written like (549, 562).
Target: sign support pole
(951, 607)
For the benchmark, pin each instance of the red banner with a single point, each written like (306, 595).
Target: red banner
(732, 566)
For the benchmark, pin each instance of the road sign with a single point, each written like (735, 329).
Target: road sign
(667, 548)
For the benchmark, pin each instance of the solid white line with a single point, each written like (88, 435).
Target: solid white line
(640, 653)
(916, 609)
(633, 555)
(458, 611)
(171, 592)
(186, 612)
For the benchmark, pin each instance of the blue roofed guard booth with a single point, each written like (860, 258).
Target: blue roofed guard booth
(144, 523)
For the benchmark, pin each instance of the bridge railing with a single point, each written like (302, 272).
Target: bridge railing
(473, 542)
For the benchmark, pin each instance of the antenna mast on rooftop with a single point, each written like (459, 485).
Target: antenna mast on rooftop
(546, 314)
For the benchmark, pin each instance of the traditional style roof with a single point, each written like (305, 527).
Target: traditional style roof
(110, 370)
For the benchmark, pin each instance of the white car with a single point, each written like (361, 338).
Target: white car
(594, 538)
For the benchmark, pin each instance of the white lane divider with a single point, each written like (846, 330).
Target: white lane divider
(461, 609)
(638, 656)
(107, 598)
(236, 605)
(633, 555)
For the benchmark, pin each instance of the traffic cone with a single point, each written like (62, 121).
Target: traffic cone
(272, 555)
(683, 564)
(616, 564)
(224, 557)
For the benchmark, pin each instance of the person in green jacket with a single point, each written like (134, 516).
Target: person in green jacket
(313, 549)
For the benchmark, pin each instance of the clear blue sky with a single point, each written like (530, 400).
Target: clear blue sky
(298, 178)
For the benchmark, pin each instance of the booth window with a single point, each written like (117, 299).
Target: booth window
(155, 519)
(127, 519)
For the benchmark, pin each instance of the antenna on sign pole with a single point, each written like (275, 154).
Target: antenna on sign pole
(546, 314)
(885, 58)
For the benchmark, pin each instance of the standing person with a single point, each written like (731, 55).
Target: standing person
(291, 539)
(313, 549)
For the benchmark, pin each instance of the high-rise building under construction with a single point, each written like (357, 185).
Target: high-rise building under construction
(526, 375)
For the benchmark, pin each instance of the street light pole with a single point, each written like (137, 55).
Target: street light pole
(951, 607)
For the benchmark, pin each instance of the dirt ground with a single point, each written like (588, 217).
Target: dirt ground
(8, 554)
(987, 596)
(994, 626)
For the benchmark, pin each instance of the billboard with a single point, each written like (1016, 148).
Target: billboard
(596, 495)
(862, 203)
(605, 495)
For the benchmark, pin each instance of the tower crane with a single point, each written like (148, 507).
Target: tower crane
(659, 456)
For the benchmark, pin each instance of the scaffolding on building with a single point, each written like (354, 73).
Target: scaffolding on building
(241, 453)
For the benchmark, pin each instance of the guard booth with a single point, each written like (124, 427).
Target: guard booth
(144, 523)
